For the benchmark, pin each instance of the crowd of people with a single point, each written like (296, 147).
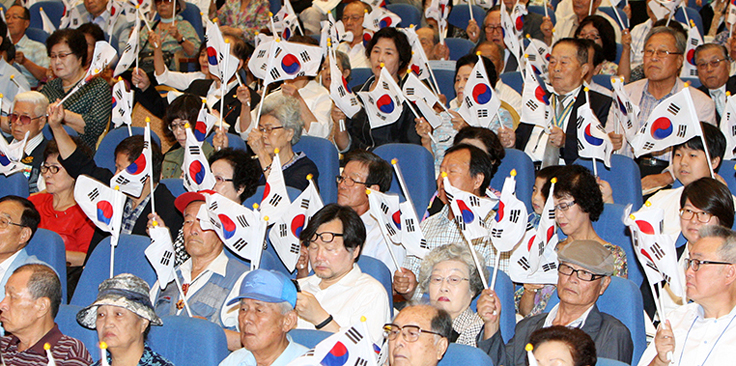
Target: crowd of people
(60, 116)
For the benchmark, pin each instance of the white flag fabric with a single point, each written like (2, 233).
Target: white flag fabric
(334, 31)
(204, 124)
(480, 102)
(419, 62)
(520, 269)
(102, 204)
(221, 63)
(196, 169)
(130, 52)
(285, 233)
(114, 8)
(131, 179)
(351, 346)
(284, 18)
(546, 236)
(626, 112)
(103, 55)
(289, 60)
(655, 251)
(728, 126)
(411, 236)
(537, 54)
(470, 210)
(11, 155)
(122, 105)
(239, 228)
(662, 8)
(689, 69)
(535, 99)
(384, 207)
(384, 104)
(673, 121)
(275, 201)
(46, 23)
(731, 17)
(414, 89)
(325, 6)
(510, 32)
(161, 254)
(340, 93)
(593, 141)
(509, 224)
(530, 357)
(485, 4)
(71, 18)
(258, 63)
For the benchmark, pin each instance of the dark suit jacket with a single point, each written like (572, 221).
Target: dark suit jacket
(599, 103)
(730, 87)
(532, 21)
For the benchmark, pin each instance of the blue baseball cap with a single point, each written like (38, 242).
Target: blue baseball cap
(268, 286)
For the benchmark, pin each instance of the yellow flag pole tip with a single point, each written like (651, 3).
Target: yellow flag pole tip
(382, 65)
(265, 218)
(553, 180)
(444, 174)
(276, 151)
(148, 119)
(46, 346)
(528, 347)
(513, 172)
(270, 14)
(227, 40)
(687, 83)
(394, 161)
(186, 125)
(12, 77)
(632, 217)
(309, 176)
(728, 93)
(528, 35)
(648, 204)
(1, 95)
(362, 319)
(365, 11)
(367, 191)
(137, 6)
(41, 9)
(408, 71)
(117, 188)
(201, 13)
(586, 89)
(154, 223)
(477, 53)
(526, 55)
(255, 206)
(103, 345)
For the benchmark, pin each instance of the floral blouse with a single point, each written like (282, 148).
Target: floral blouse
(169, 43)
(249, 20)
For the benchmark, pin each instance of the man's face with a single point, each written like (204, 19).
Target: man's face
(19, 310)
(426, 37)
(23, 124)
(710, 280)
(713, 68)
(352, 18)
(198, 242)
(349, 192)
(17, 25)
(427, 350)
(494, 54)
(457, 167)
(574, 291)
(565, 71)
(331, 260)
(262, 325)
(581, 7)
(690, 165)
(13, 237)
(663, 66)
(494, 30)
(95, 7)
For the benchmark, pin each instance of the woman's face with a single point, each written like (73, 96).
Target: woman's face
(90, 47)
(572, 219)
(204, 65)
(461, 79)
(690, 227)
(56, 182)
(590, 32)
(326, 75)
(538, 199)
(449, 287)
(553, 353)
(165, 8)
(385, 51)
(120, 328)
(275, 135)
(177, 128)
(223, 172)
(63, 62)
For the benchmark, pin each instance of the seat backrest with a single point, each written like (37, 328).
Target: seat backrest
(324, 154)
(37, 35)
(608, 10)
(623, 176)
(539, 9)
(358, 76)
(694, 82)
(105, 155)
(175, 341)
(459, 47)
(603, 80)
(15, 184)
(417, 167)
(175, 185)
(460, 16)
(233, 140)
(446, 82)
(692, 14)
(54, 9)
(726, 169)
(67, 321)
(308, 337)
(193, 16)
(49, 247)
(460, 354)
(381, 273)
(513, 80)
(516, 159)
(505, 291)
(49, 135)
(609, 362)
(611, 228)
(129, 258)
(408, 13)
(629, 312)
(619, 52)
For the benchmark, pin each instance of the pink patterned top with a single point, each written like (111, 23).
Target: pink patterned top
(249, 20)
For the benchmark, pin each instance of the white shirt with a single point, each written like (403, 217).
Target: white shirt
(577, 323)
(356, 54)
(32, 143)
(508, 95)
(354, 296)
(6, 264)
(178, 80)
(638, 36)
(566, 26)
(317, 98)
(698, 341)
(375, 246)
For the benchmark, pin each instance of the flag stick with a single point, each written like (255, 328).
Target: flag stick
(181, 293)
(546, 12)
(150, 164)
(113, 244)
(496, 263)
(618, 17)
(478, 265)
(137, 44)
(402, 182)
(130, 131)
(223, 82)
(260, 105)
(590, 8)
(470, 9)
(662, 315)
(81, 83)
(253, 265)
(684, 12)
(595, 168)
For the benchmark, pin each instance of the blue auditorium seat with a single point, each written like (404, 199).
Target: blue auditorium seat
(15, 184)
(49, 247)
(623, 176)
(105, 155)
(514, 80)
(417, 167)
(175, 341)
(516, 159)
(233, 140)
(49, 135)
(358, 76)
(37, 35)
(324, 154)
(408, 13)
(54, 9)
(460, 354)
(460, 16)
(459, 47)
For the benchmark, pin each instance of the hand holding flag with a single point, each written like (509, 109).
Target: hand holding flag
(11, 155)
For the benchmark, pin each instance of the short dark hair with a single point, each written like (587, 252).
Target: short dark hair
(490, 140)
(93, 30)
(480, 163)
(579, 182)
(708, 46)
(598, 56)
(379, 170)
(472, 59)
(246, 170)
(185, 107)
(581, 346)
(442, 323)
(712, 197)
(132, 147)
(240, 48)
(26, 12)
(30, 217)
(53, 149)
(74, 38)
(353, 228)
(605, 31)
(400, 41)
(580, 46)
(715, 140)
(44, 282)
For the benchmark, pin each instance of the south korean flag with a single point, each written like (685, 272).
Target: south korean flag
(520, 266)
(290, 60)
(480, 102)
(132, 179)
(161, 254)
(275, 201)
(509, 224)
(239, 228)
(197, 173)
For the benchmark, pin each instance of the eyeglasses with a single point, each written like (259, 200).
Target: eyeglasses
(581, 273)
(219, 179)
(348, 181)
(493, 28)
(451, 280)
(325, 237)
(61, 56)
(687, 214)
(24, 120)
(268, 129)
(411, 333)
(49, 168)
(15, 17)
(712, 63)
(355, 18)
(660, 53)
(5, 222)
(564, 206)
(695, 263)
(178, 126)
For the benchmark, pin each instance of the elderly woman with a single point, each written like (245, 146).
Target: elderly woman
(451, 279)
(599, 30)
(388, 48)
(563, 346)
(88, 110)
(172, 34)
(279, 128)
(182, 111)
(123, 315)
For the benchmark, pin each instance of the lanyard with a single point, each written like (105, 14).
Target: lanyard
(560, 120)
(714, 344)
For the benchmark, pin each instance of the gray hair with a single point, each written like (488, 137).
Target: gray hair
(727, 251)
(441, 321)
(286, 109)
(39, 101)
(709, 46)
(43, 283)
(451, 252)
(285, 307)
(680, 39)
(343, 60)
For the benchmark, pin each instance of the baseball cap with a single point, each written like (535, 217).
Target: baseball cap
(268, 286)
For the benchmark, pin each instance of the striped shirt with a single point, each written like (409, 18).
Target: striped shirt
(67, 351)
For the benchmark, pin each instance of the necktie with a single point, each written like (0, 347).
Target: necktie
(719, 98)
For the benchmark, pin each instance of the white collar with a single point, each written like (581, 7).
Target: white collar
(218, 265)
(577, 323)
(33, 143)
(5, 265)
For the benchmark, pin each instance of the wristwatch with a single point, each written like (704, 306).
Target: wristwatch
(183, 39)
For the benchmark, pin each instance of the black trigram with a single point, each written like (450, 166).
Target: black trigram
(94, 194)
(341, 91)
(370, 100)
(551, 214)
(579, 122)
(410, 90)
(294, 248)
(514, 215)
(468, 102)
(194, 150)
(354, 335)
(390, 229)
(264, 66)
(353, 102)
(657, 251)
(166, 258)
(121, 112)
(449, 196)
(629, 124)
(360, 362)
(261, 54)
(305, 56)
(121, 180)
(409, 223)
(214, 206)
(283, 230)
(242, 221)
(524, 263)
(580, 146)
(478, 75)
(681, 131)
(119, 94)
(532, 105)
(385, 85)
(474, 201)
(482, 113)
(674, 109)
(532, 57)
(653, 266)
(128, 48)
(460, 223)
(275, 200)
(549, 267)
(215, 223)
(423, 244)
(733, 130)
(277, 53)
(381, 116)
(648, 146)
(240, 244)
(305, 203)
(496, 233)
(694, 42)
(384, 208)
(275, 73)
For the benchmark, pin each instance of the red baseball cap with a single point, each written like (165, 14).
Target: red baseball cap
(185, 199)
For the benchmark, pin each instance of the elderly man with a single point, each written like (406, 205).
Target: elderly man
(267, 300)
(713, 69)
(338, 294)
(419, 336)
(352, 18)
(208, 277)
(584, 274)
(531, 26)
(493, 31)
(702, 332)
(568, 66)
(567, 26)
(95, 11)
(31, 57)
(11, 80)
(18, 222)
(33, 295)
(494, 52)
(29, 116)
(430, 38)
